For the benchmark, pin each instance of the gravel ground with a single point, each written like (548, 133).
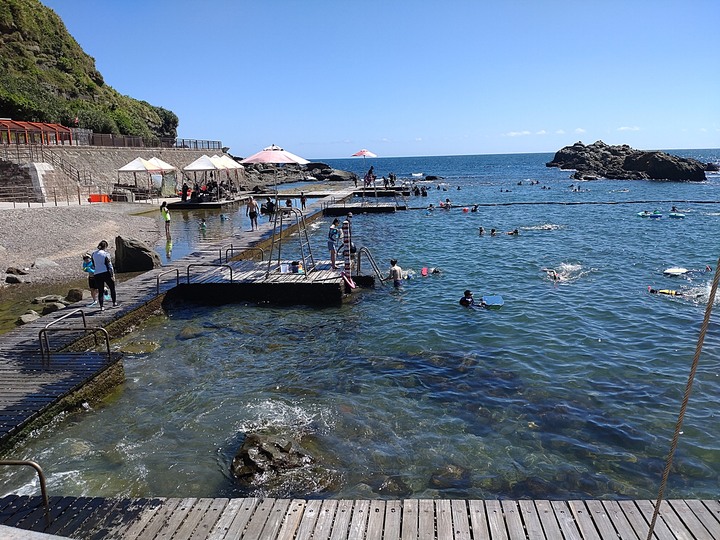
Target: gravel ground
(62, 234)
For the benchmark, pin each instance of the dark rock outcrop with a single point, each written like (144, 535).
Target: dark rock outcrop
(278, 464)
(133, 255)
(622, 162)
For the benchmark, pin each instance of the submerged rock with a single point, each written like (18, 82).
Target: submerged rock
(450, 476)
(139, 347)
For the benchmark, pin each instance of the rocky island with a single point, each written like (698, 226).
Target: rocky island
(621, 162)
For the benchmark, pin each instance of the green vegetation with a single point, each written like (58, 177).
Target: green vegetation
(45, 76)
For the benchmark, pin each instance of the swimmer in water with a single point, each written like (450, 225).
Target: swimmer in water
(669, 292)
(552, 274)
(481, 231)
(514, 232)
(467, 300)
(492, 232)
(203, 225)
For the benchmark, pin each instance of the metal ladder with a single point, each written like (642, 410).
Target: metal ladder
(372, 262)
(306, 255)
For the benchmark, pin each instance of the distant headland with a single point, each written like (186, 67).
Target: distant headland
(621, 162)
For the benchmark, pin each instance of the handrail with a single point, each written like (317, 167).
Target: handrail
(43, 484)
(43, 337)
(372, 262)
(231, 249)
(177, 278)
(208, 264)
(73, 312)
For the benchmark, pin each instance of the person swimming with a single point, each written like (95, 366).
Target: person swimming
(668, 292)
(552, 274)
(514, 232)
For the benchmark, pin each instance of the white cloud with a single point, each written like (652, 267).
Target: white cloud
(560, 132)
(628, 128)
(579, 130)
(517, 133)
(418, 139)
(541, 132)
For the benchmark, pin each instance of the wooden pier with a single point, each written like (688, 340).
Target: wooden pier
(250, 281)
(362, 208)
(410, 519)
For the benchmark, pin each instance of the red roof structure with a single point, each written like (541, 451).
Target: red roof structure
(15, 132)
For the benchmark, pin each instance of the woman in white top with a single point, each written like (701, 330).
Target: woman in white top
(104, 273)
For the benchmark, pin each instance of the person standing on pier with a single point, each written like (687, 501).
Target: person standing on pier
(303, 200)
(251, 210)
(104, 273)
(334, 236)
(165, 213)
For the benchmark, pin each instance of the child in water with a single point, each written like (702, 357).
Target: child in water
(203, 225)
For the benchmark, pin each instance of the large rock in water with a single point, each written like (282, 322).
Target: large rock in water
(278, 464)
(624, 163)
(133, 255)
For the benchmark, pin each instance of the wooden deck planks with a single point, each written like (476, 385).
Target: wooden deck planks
(412, 519)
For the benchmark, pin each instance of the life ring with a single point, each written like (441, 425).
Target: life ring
(348, 280)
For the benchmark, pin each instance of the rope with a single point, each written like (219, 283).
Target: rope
(569, 203)
(686, 398)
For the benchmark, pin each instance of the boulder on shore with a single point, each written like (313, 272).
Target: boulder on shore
(621, 162)
(133, 255)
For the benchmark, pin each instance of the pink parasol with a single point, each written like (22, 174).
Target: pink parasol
(365, 152)
(275, 154)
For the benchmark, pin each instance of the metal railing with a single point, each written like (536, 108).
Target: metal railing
(231, 249)
(177, 278)
(43, 483)
(45, 342)
(371, 260)
(209, 264)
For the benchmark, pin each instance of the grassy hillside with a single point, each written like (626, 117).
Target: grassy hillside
(46, 77)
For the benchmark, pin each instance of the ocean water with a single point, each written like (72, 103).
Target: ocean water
(571, 389)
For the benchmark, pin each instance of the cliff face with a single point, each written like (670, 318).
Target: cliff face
(45, 76)
(622, 162)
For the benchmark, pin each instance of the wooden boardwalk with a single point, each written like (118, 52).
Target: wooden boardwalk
(411, 519)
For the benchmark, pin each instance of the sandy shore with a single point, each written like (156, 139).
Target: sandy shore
(62, 234)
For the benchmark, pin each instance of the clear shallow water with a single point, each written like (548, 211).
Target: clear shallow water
(572, 389)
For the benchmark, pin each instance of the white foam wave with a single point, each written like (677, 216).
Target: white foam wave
(543, 227)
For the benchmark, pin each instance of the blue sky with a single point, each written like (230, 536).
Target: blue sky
(324, 79)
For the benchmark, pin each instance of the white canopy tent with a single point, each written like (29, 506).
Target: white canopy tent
(139, 165)
(205, 164)
(168, 181)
